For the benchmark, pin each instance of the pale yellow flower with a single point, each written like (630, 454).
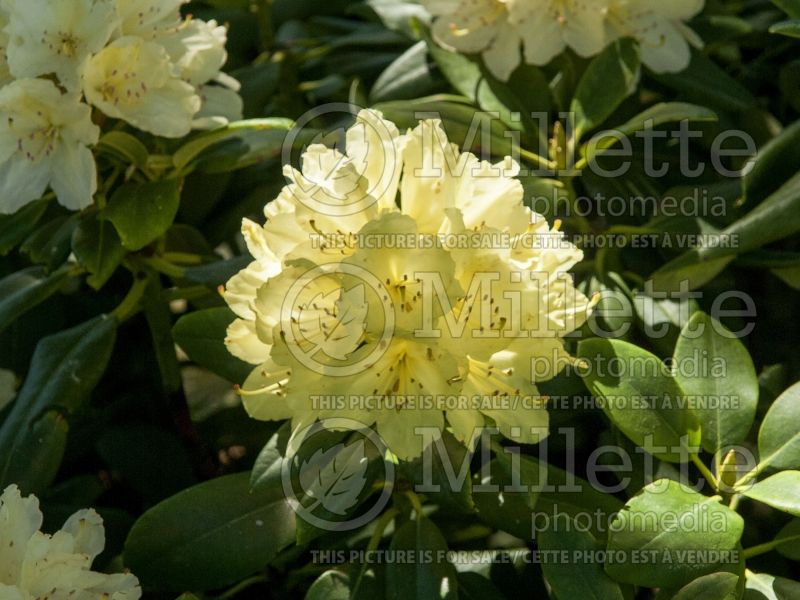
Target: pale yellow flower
(659, 28)
(405, 326)
(148, 18)
(57, 37)
(133, 79)
(44, 139)
(36, 565)
(506, 32)
(197, 49)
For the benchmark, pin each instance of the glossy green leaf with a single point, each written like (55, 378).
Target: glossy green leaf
(409, 76)
(610, 78)
(428, 574)
(774, 219)
(716, 586)
(675, 525)
(779, 436)
(658, 114)
(780, 491)
(236, 146)
(725, 406)
(201, 335)
(790, 28)
(576, 577)
(772, 166)
(210, 535)
(64, 370)
(15, 228)
(760, 586)
(641, 397)
(704, 82)
(124, 147)
(21, 291)
(472, 586)
(143, 212)
(790, 7)
(790, 538)
(98, 247)
(331, 585)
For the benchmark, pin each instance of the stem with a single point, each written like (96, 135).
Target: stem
(705, 471)
(734, 503)
(130, 304)
(183, 258)
(750, 475)
(415, 502)
(768, 546)
(538, 160)
(374, 542)
(164, 266)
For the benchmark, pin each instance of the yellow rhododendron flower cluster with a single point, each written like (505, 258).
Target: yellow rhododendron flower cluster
(135, 60)
(36, 565)
(409, 279)
(506, 32)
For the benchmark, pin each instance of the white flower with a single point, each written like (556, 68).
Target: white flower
(43, 141)
(548, 27)
(659, 28)
(35, 565)
(56, 37)
(496, 29)
(133, 80)
(148, 18)
(479, 350)
(197, 49)
(221, 105)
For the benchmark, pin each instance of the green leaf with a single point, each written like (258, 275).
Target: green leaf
(716, 586)
(124, 147)
(779, 437)
(790, 537)
(656, 115)
(236, 146)
(790, 28)
(760, 586)
(409, 76)
(64, 370)
(774, 164)
(49, 245)
(610, 78)
(143, 212)
(15, 228)
(642, 399)
(726, 406)
(463, 124)
(210, 535)
(576, 578)
(790, 7)
(774, 219)
(98, 247)
(429, 574)
(537, 489)
(217, 273)
(675, 525)
(780, 491)
(201, 334)
(23, 290)
(331, 585)
(706, 83)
